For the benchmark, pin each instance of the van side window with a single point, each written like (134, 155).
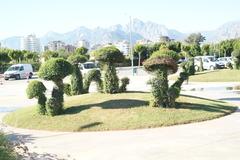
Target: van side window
(21, 68)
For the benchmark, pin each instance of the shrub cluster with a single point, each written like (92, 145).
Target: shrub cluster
(108, 57)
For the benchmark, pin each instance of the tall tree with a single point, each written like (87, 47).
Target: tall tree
(206, 49)
(141, 51)
(195, 38)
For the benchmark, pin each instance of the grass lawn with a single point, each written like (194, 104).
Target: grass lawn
(223, 75)
(100, 112)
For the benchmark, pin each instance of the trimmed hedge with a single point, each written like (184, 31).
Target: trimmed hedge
(36, 89)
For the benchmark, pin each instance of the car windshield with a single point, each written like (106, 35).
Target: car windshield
(212, 59)
(14, 68)
(89, 65)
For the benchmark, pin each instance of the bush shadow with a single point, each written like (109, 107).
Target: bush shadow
(110, 104)
(217, 108)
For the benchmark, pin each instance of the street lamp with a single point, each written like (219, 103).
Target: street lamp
(131, 45)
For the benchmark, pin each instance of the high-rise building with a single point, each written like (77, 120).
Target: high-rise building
(70, 48)
(83, 43)
(55, 46)
(123, 46)
(30, 43)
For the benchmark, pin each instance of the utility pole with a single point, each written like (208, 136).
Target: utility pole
(131, 45)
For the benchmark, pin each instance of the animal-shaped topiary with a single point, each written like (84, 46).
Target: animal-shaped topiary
(55, 69)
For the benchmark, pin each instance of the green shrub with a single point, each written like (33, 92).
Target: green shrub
(36, 66)
(175, 89)
(6, 149)
(76, 81)
(111, 81)
(109, 55)
(53, 107)
(236, 58)
(124, 83)
(159, 85)
(160, 64)
(36, 89)
(56, 69)
(57, 94)
(77, 58)
(67, 89)
(93, 75)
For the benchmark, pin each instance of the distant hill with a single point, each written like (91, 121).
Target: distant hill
(140, 30)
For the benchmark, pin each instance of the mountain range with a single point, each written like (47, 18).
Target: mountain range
(140, 30)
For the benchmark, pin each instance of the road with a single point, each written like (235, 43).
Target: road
(216, 139)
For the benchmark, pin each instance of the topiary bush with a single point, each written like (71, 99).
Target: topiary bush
(236, 58)
(36, 89)
(93, 75)
(67, 89)
(76, 78)
(76, 81)
(124, 82)
(53, 107)
(109, 56)
(160, 64)
(56, 69)
(111, 81)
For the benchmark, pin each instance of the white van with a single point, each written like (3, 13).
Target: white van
(86, 67)
(19, 71)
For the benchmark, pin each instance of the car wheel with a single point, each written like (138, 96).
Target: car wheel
(6, 79)
(212, 68)
(17, 77)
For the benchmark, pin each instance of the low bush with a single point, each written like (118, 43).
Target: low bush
(6, 149)
(36, 89)
(124, 83)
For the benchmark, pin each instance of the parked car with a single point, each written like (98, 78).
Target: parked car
(86, 67)
(209, 63)
(225, 60)
(19, 71)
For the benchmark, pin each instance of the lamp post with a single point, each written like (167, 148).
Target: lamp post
(131, 45)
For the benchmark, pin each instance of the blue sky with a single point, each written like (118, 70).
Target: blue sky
(22, 17)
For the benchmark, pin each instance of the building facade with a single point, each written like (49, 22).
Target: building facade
(123, 46)
(55, 46)
(83, 43)
(30, 43)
